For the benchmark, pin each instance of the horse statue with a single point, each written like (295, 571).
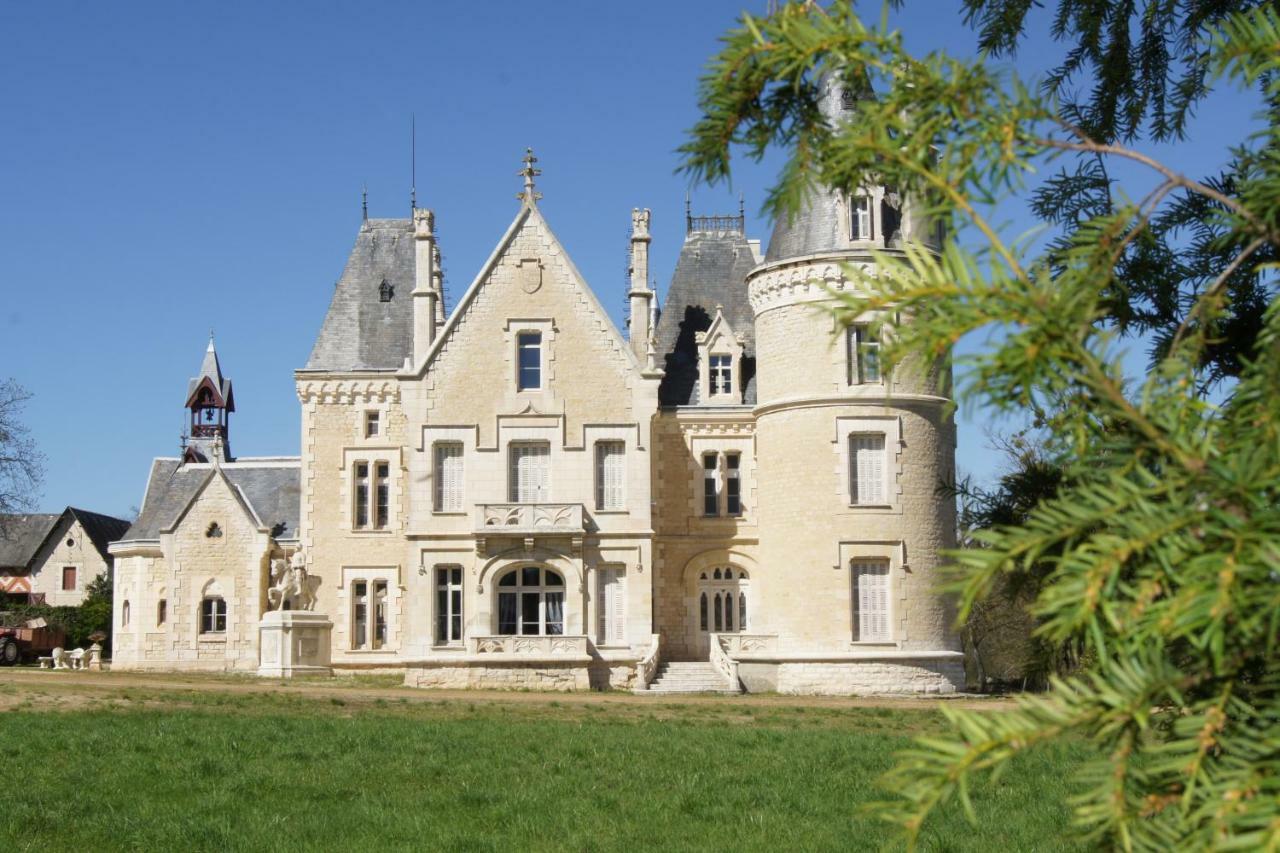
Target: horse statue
(290, 584)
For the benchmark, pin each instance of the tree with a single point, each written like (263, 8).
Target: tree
(21, 463)
(1162, 541)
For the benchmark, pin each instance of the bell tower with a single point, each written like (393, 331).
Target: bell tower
(210, 403)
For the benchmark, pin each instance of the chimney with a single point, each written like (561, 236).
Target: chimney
(425, 295)
(640, 295)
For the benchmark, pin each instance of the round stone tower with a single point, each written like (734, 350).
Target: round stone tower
(850, 456)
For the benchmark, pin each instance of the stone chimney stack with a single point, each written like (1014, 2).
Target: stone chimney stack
(640, 294)
(425, 295)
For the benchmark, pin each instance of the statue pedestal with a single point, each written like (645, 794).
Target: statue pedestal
(293, 642)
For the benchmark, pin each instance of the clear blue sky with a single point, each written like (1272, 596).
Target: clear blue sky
(172, 168)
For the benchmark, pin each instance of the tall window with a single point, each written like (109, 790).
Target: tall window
(213, 615)
(368, 614)
(68, 578)
(866, 468)
(611, 457)
(531, 601)
(721, 374)
(611, 606)
(733, 484)
(871, 600)
(162, 611)
(860, 217)
(372, 424)
(529, 345)
(382, 476)
(710, 484)
(722, 600)
(124, 613)
(530, 475)
(448, 476)
(361, 478)
(862, 354)
(448, 605)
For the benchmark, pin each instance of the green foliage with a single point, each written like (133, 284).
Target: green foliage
(91, 616)
(1162, 547)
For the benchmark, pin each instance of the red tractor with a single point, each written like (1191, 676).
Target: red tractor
(27, 642)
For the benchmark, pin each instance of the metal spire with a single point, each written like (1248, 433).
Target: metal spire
(364, 202)
(413, 162)
(529, 172)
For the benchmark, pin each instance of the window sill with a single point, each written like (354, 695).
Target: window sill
(450, 647)
(382, 651)
(885, 645)
(611, 512)
(872, 506)
(361, 531)
(461, 513)
(212, 638)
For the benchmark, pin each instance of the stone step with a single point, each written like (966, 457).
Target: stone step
(675, 677)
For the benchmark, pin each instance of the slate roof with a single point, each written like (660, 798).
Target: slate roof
(21, 536)
(211, 369)
(271, 488)
(361, 332)
(712, 270)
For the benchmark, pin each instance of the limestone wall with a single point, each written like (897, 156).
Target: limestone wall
(854, 678)
(68, 546)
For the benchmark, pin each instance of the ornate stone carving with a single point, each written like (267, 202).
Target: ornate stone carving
(290, 584)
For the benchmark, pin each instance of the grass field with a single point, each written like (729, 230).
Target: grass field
(179, 769)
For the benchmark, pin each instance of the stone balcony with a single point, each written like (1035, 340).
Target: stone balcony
(529, 521)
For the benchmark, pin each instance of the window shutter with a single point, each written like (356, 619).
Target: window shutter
(868, 469)
(612, 606)
(873, 599)
(610, 458)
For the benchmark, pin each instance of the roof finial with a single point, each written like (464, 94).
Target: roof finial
(529, 172)
(413, 162)
(364, 202)
(210, 339)
(688, 212)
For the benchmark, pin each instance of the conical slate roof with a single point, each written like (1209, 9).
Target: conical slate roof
(211, 369)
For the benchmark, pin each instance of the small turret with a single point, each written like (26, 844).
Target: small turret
(640, 294)
(210, 402)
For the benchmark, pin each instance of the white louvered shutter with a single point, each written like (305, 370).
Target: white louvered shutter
(610, 462)
(873, 600)
(531, 473)
(448, 477)
(867, 464)
(612, 606)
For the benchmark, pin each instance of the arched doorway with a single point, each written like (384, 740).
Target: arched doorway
(722, 603)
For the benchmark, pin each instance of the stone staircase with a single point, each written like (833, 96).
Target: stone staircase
(690, 677)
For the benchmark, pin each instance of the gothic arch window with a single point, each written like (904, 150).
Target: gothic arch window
(531, 601)
(213, 531)
(722, 600)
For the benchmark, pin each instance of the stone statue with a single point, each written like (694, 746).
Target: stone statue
(290, 584)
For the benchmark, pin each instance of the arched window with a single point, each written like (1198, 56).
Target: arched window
(124, 613)
(722, 600)
(531, 601)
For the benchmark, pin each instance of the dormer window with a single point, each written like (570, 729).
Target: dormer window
(721, 375)
(385, 291)
(860, 217)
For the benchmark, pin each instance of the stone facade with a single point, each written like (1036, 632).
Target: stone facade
(517, 496)
(52, 559)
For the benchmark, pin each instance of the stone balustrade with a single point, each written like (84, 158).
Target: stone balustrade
(525, 518)
(647, 667)
(553, 645)
(738, 644)
(724, 664)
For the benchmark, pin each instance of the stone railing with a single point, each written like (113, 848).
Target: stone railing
(517, 519)
(725, 665)
(739, 644)
(647, 668)
(552, 645)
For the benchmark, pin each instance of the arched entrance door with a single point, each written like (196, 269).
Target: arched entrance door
(722, 603)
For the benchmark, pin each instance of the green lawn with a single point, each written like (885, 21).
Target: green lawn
(181, 771)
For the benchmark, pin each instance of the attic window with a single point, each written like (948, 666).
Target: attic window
(214, 531)
(385, 291)
(71, 543)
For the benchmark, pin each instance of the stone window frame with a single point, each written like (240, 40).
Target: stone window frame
(371, 455)
(214, 632)
(594, 434)
(853, 352)
(719, 340)
(894, 552)
(344, 627)
(373, 425)
(722, 445)
(600, 497)
(873, 196)
(472, 469)
(890, 427)
(514, 328)
(513, 484)
(519, 589)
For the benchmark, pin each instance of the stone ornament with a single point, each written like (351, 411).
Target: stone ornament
(290, 584)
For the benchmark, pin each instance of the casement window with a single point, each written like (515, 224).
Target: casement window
(867, 469)
(68, 578)
(368, 614)
(862, 355)
(871, 600)
(162, 611)
(448, 476)
(721, 370)
(611, 458)
(529, 356)
(213, 615)
(611, 607)
(529, 479)
(711, 484)
(531, 601)
(722, 600)
(372, 424)
(377, 488)
(860, 217)
(448, 605)
(733, 484)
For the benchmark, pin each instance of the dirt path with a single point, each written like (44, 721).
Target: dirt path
(72, 687)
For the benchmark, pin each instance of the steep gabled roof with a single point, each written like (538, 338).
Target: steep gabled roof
(22, 535)
(361, 332)
(269, 488)
(712, 270)
(102, 530)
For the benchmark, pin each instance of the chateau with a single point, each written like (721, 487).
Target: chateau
(734, 495)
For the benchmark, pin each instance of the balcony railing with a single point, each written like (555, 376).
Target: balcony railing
(553, 645)
(529, 519)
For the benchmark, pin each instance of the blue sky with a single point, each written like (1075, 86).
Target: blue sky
(169, 169)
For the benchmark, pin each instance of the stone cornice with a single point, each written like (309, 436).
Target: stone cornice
(809, 279)
(348, 388)
(888, 401)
